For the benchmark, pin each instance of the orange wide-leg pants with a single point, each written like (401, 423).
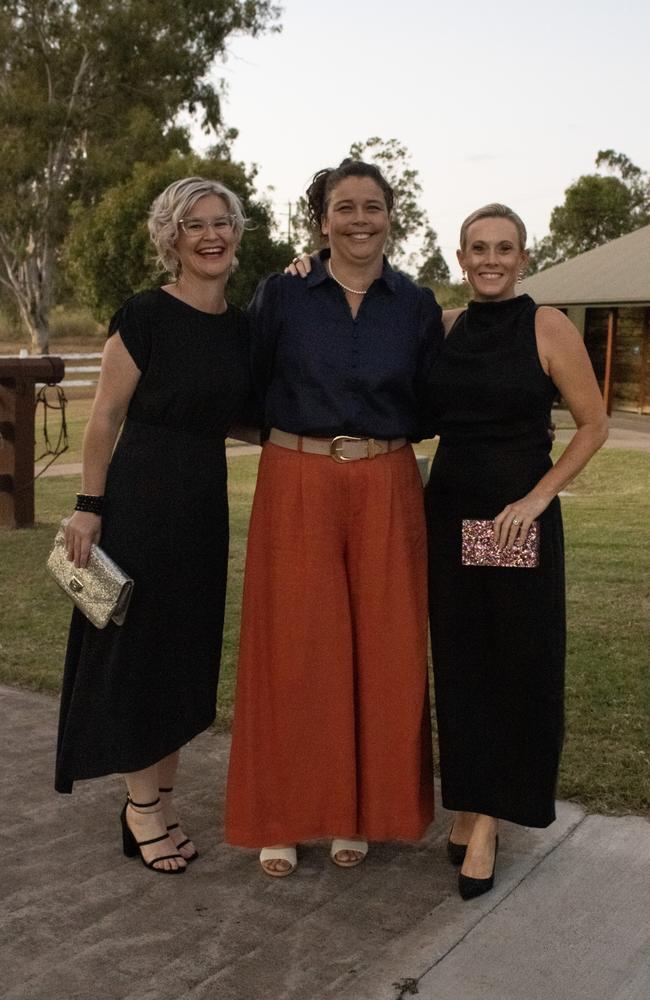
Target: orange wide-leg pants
(332, 730)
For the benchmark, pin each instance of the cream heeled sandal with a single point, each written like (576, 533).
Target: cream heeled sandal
(358, 846)
(288, 854)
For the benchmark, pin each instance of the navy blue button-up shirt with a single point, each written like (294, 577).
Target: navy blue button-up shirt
(320, 372)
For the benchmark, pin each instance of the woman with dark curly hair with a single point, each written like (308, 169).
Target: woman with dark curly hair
(332, 733)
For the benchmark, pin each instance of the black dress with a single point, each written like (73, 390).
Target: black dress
(498, 634)
(134, 693)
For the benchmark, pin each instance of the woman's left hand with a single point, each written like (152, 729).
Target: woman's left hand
(300, 266)
(512, 524)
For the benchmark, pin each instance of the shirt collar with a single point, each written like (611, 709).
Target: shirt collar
(318, 273)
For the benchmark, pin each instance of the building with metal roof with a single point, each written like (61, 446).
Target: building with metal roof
(606, 293)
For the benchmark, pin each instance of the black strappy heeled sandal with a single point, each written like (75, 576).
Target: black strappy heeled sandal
(175, 826)
(132, 847)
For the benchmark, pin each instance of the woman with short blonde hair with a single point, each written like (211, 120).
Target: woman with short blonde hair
(174, 378)
(496, 555)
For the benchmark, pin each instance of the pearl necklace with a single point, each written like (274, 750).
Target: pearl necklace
(353, 291)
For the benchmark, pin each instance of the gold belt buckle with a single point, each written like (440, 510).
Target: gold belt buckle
(337, 442)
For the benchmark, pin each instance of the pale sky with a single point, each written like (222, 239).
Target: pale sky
(506, 101)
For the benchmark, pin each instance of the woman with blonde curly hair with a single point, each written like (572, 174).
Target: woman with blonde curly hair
(174, 377)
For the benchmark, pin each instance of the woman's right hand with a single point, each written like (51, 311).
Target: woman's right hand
(81, 531)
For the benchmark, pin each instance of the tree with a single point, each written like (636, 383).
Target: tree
(452, 294)
(433, 269)
(635, 179)
(88, 88)
(108, 255)
(596, 209)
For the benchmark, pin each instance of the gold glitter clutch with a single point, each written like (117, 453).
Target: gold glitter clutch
(480, 549)
(101, 590)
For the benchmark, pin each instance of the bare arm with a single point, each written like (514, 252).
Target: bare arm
(449, 317)
(118, 378)
(564, 357)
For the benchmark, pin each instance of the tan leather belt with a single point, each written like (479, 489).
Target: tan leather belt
(341, 448)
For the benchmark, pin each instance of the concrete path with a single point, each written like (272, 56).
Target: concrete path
(569, 918)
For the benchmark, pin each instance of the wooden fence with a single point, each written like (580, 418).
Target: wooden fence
(80, 369)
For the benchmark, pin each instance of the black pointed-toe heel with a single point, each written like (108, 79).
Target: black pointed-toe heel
(470, 888)
(175, 826)
(455, 852)
(132, 847)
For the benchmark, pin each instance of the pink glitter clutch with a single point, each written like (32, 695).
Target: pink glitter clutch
(479, 548)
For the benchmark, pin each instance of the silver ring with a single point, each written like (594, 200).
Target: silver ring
(296, 260)
(516, 520)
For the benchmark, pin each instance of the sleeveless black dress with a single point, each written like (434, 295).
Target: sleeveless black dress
(133, 694)
(498, 634)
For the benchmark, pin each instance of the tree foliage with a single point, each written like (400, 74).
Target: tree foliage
(596, 209)
(109, 256)
(636, 180)
(452, 294)
(433, 270)
(88, 88)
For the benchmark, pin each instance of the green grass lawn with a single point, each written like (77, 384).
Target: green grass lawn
(606, 763)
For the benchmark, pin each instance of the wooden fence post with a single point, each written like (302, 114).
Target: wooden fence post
(608, 382)
(18, 377)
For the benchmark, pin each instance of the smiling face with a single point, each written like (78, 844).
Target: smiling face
(209, 254)
(492, 257)
(357, 222)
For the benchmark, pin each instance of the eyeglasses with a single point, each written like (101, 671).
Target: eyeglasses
(198, 227)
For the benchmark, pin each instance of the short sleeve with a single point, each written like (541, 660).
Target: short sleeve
(133, 326)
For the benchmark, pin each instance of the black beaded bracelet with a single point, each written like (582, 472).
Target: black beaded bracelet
(89, 504)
